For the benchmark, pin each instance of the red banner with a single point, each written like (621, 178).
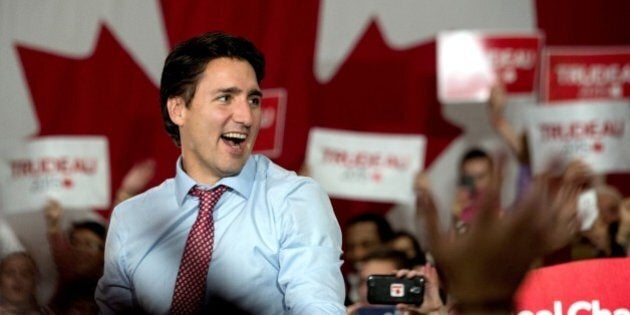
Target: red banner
(596, 286)
(269, 141)
(469, 63)
(586, 73)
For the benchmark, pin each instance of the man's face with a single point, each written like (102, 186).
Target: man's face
(361, 238)
(373, 267)
(219, 128)
(478, 172)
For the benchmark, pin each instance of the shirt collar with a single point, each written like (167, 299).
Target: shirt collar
(240, 183)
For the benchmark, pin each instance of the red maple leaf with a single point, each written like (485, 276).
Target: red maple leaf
(67, 183)
(376, 176)
(598, 147)
(85, 99)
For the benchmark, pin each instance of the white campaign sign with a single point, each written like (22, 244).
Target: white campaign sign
(594, 132)
(72, 170)
(365, 166)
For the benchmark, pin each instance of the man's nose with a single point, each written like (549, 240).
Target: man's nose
(243, 113)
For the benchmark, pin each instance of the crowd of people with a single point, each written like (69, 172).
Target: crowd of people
(77, 252)
(274, 245)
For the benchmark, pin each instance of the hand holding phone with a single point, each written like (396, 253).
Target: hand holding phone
(388, 289)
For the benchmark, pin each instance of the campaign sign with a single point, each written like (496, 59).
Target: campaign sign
(594, 132)
(471, 62)
(365, 166)
(594, 286)
(585, 73)
(269, 141)
(72, 170)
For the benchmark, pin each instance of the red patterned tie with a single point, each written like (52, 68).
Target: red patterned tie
(190, 285)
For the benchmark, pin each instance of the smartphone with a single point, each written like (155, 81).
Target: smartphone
(378, 310)
(388, 289)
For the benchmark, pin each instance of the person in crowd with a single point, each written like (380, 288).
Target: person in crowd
(408, 244)
(18, 285)
(475, 170)
(502, 240)
(362, 234)
(597, 239)
(265, 239)
(9, 242)
(601, 236)
(78, 257)
(380, 261)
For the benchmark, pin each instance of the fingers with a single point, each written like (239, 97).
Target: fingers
(407, 273)
(578, 173)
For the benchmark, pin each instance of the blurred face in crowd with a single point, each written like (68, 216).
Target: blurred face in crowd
(373, 267)
(405, 245)
(476, 174)
(18, 279)
(89, 249)
(219, 126)
(361, 238)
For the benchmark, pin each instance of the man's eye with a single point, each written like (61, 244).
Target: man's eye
(224, 98)
(255, 101)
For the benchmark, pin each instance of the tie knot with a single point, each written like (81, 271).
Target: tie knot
(208, 195)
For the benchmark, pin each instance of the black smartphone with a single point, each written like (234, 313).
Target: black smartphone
(388, 289)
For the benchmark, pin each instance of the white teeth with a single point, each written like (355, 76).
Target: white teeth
(235, 135)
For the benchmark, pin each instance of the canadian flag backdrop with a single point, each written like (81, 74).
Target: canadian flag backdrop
(92, 67)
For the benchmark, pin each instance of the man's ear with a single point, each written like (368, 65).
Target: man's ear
(176, 109)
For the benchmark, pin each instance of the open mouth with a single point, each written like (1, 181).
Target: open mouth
(234, 138)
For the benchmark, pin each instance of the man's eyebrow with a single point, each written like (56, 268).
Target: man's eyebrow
(255, 92)
(230, 90)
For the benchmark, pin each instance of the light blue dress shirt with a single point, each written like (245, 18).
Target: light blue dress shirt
(277, 245)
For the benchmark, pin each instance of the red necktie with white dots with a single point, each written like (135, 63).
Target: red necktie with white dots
(190, 285)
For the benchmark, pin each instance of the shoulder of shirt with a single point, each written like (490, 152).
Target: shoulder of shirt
(163, 190)
(279, 178)
(276, 173)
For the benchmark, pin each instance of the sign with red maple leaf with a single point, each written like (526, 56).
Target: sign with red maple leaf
(364, 165)
(597, 133)
(72, 170)
(471, 62)
(581, 73)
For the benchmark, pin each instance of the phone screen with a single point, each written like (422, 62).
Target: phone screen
(387, 289)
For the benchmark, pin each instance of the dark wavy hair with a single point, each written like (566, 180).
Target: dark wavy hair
(188, 60)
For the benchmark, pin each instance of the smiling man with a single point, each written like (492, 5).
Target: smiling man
(230, 228)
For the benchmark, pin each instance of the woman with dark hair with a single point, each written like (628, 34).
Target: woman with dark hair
(405, 242)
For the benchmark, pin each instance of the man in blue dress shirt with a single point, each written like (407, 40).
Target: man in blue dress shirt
(277, 243)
